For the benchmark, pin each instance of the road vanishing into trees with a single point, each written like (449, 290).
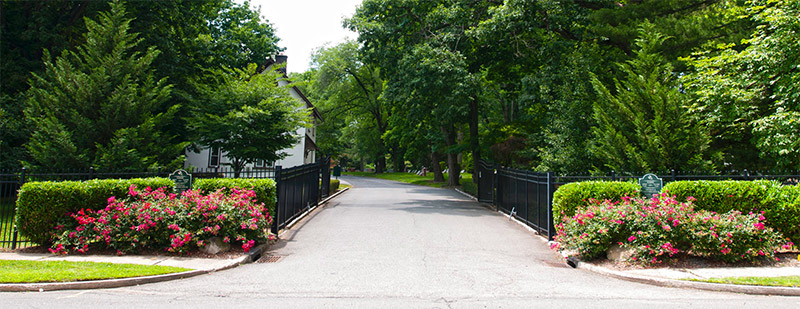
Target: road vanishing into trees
(387, 244)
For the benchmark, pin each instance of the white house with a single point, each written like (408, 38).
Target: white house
(303, 152)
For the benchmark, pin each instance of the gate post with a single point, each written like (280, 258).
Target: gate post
(278, 197)
(550, 189)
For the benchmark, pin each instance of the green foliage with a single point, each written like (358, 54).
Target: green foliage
(334, 185)
(347, 92)
(100, 105)
(656, 229)
(569, 197)
(249, 115)
(644, 126)
(41, 204)
(263, 188)
(748, 90)
(779, 204)
(153, 219)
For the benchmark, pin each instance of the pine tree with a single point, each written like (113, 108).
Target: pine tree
(644, 126)
(99, 105)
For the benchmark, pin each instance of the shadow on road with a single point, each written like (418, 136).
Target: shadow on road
(444, 207)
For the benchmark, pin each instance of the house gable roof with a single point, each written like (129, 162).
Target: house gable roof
(270, 62)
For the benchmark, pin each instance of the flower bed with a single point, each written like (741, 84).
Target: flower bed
(155, 219)
(659, 228)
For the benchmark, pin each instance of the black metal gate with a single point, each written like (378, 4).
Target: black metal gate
(486, 178)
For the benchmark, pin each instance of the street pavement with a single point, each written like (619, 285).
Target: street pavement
(384, 244)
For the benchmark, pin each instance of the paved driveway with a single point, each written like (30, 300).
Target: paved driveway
(385, 244)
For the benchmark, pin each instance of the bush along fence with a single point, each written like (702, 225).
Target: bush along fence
(531, 197)
(287, 193)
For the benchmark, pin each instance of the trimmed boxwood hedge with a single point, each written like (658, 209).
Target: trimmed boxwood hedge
(780, 204)
(569, 197)
(41, 204)
(264, 188)
(334, 185)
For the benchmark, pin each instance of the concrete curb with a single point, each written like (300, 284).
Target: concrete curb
(250, 257)
(115, 283)
(718, 287)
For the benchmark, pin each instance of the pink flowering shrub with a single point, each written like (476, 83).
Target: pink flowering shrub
(659, 228)
(153, 219)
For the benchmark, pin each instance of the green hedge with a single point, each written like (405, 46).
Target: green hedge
(41, 204)
(264, 188)
(334, 186)
(780, 204)
(569, 197)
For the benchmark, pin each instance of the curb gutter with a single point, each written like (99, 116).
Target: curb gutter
(718, 287)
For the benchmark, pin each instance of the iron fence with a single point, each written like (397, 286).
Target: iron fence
(528, 196)
(298, 190)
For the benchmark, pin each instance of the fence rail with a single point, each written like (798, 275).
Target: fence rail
(528, 196)
(298, 189)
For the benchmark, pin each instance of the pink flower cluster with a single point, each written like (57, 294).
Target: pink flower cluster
(661, 227)
(156, 220)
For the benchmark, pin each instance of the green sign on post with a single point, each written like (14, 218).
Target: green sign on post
(651, 184)
(337, 171)
(182, 180)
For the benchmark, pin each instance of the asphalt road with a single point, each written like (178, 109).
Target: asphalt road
(385, 244)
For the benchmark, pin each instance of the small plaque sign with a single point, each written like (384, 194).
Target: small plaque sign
(182, 180)
(651, 184)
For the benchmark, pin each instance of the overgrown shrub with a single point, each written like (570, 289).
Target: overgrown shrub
(263, 188)
(154, 219)
(780, 204)
(41, 204)
(658, 228)
(569, 197)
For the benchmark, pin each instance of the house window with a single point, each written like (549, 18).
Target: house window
(262, 164)
(213, 159)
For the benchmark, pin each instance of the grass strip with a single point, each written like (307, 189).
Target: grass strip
(411, 178)
(786, 281)
(23, 271)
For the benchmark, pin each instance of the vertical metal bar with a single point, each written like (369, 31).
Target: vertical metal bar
(276, 216)
(550, 189)
(15, 233)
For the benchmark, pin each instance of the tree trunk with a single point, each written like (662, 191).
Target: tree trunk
(452, 158)
(473, 138)
(437, 170)
(398, 160)
(380, 163)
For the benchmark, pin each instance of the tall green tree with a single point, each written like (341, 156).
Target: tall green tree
(246, 114)
(350, 90)
(100, 105)
(643, 125)
(749, 92)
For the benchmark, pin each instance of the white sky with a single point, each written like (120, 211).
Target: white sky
(304, 25)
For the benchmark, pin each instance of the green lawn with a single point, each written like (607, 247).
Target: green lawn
(788, 281)
(466, 179)
(16, 271)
